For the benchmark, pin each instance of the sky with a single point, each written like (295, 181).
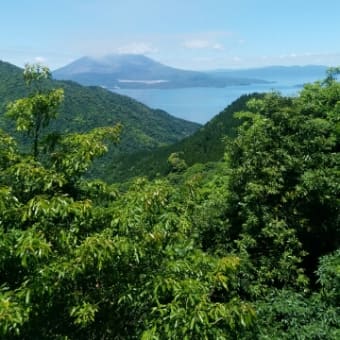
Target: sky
(188, 34)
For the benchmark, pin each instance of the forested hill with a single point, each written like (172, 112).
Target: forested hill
(205, 145)
(248, 248)
(87, 107)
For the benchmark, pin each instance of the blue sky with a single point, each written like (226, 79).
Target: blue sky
(191, 34)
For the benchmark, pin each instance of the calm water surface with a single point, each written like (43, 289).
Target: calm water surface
(200, 104)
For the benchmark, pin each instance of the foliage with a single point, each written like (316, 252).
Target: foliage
(128, 270)
(205, 145)
(284, 183)
(245, 248)
(329, 278)
(176, 163)
(287, 314)
(86, 108)
(34, 113)
(78, 259)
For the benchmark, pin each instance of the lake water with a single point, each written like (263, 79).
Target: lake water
(200, 104)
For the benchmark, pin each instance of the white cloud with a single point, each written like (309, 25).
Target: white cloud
(217, 46)
(196, 43)
(202, 44)
(40, 60)
(137, 48)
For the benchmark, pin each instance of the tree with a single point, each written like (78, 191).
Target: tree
(284, 186)
(43, 209)
(211, 252)
(287, 314)
(176, 163)
(34, 112)
(78, 259)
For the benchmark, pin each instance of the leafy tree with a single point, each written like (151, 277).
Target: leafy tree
(34, 112)
(329, 278)
(176, 163)
(78, 259)
(41, 209)
(215, 251)
(284, 184)
(286, 314)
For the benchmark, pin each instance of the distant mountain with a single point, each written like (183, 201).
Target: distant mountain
(85, 108)
(306, 73)
(138, 71)
(205, 145)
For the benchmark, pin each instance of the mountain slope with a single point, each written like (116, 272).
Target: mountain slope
(87, 107)
(138, 71)
(205, 145)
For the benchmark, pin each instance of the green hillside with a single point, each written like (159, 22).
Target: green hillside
(87, 107)
(246, 248)
(205, 145)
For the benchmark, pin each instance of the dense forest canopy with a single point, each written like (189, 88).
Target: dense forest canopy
(244, 248)
(203, 146)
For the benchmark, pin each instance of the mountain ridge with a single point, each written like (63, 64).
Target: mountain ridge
(139, 71)
(203, 146)
(276, 72)
(85, 108)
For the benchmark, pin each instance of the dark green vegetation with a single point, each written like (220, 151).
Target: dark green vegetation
(86, 108)
(206, 145)
(128, 71)
(245, 248)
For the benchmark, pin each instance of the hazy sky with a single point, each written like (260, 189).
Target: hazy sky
(192, 34)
